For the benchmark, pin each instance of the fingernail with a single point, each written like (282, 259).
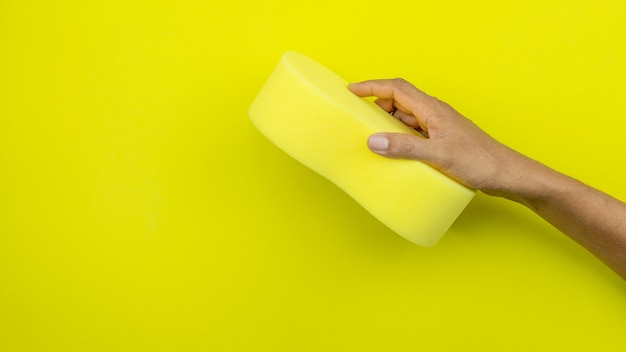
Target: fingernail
(378, 142)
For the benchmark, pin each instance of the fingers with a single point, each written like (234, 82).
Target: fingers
(397, 111)
(384, 88)
(397, 93)
(409, 105)
(401, 146)
(385, 104)
(407, 119)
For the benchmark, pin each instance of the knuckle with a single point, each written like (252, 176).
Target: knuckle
(401, 82)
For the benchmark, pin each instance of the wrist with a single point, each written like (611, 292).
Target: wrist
(519, 178)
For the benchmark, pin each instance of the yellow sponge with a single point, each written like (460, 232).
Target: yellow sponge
(307, 110)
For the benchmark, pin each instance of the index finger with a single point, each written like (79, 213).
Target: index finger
(404, 93)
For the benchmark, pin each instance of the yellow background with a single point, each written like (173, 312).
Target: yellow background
(141, 210)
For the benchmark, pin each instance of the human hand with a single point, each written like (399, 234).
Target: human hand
(457, 147)
(453, 144)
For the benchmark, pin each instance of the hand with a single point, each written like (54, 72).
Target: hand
(453, 144)
(458, 148)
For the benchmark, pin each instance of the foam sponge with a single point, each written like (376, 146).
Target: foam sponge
(308, 111)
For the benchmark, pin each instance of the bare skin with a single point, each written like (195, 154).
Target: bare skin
(460, 149)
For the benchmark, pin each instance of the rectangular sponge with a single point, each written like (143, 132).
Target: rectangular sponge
(307, 111)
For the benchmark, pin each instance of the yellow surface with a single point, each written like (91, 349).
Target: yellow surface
(140, 210)
(307, 111)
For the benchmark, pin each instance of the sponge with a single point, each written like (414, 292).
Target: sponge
(307, 110)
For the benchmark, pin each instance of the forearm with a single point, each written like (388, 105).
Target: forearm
(592, 218)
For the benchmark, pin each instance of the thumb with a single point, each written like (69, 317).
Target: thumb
(400, 146)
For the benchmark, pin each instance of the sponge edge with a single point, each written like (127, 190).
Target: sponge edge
(306, 110)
